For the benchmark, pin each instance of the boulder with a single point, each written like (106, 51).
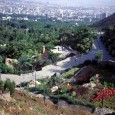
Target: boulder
(9, 62)
(89, 85)
(84, 74)
(33, 83)
(38, 83)
(40, 95)
(54, 89)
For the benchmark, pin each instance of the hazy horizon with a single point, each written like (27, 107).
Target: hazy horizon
(80, 2)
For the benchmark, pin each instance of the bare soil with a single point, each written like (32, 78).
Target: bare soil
(26, 104)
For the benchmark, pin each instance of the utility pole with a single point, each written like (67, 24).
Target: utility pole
(35, 81)
(44, 92)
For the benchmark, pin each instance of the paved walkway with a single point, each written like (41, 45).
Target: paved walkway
(69, 62)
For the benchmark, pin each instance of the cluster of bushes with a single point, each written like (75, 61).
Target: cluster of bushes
(107, 83)
(109, 103)
(7, 85)
(74, 101)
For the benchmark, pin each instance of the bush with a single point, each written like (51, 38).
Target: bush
(109, 103)
(99, 56)
(94, 62)
(82, 90)
(87, 62)
(69, 73)
(54, 81)
(108, 82)
(72, 100)
(1, 85)
(105, 93)
(10, 86)
(63, 90)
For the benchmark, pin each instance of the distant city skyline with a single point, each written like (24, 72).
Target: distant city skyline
(80, 2)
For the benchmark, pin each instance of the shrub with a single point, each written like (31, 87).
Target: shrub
(108, 82)
(87, 62)
(99, 55)
(69, 73)
(94, 62)
(54, 81)
(104, 94)
(72, 100)
(64, 90)
(1, 85)
(10, 86)
(109, 103)
(82, 90)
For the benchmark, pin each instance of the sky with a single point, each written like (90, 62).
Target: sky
(80, 2)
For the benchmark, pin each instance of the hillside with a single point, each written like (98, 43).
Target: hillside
(106, 22)
(24, 104)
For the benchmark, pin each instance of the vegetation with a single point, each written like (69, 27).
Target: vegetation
(72, 100)
(108, 103)
(109, 40)
(23, 40)
(7, 85)
(27, 104)
(99, 56)
(109, 21)
(1, 85)
(69, 72)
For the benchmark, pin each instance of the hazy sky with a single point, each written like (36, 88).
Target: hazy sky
(80, 2)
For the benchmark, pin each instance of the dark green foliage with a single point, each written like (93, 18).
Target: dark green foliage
(109, 40)
(9, 86)
(99, 55)
(107, 82)
(72, 100)
(83, 37)
(108, 103)
(54, 57)
(1, 85)
(54, 81)
(23, 40)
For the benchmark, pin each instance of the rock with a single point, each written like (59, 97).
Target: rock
(40, 95)
(86, 85)
(54, 89)
(84, 74)
(92, 85)
(62, 103)
(31, 108)
(9, 62)
(33, 83)
(89, 85)
(37, 83)
(103, 111)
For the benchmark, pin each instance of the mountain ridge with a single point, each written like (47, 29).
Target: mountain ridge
(106, 22)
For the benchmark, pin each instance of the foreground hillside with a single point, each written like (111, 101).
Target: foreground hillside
(24, 104)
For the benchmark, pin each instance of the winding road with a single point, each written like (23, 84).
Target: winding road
(69, 62)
